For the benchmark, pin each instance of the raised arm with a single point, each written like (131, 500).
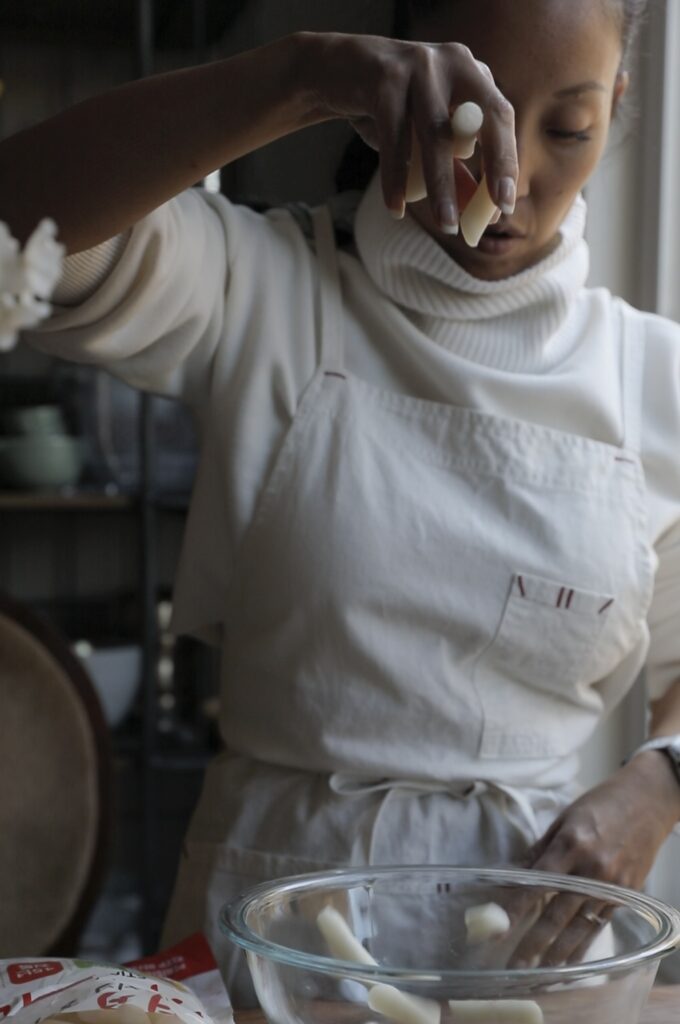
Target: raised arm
(98, 167)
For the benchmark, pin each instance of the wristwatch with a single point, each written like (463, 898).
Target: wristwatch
(668, 745)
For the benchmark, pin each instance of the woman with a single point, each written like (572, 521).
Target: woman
(436, 523)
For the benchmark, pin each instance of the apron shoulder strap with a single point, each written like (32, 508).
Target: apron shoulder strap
(330, 292)
(632, 376)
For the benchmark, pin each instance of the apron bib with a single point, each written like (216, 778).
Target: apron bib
(424, 587)
(424, 603)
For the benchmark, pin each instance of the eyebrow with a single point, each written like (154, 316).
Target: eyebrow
(574, 90)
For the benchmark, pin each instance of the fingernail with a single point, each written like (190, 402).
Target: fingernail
(507, 195)
(448, 222)
(398, 211)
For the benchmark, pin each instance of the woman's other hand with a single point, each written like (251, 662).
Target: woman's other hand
(612, 833)
(387, 88)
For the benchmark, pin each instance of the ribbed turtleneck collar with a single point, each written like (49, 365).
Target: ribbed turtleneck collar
(513, 324)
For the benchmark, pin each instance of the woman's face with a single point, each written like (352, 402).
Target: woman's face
(557, 62)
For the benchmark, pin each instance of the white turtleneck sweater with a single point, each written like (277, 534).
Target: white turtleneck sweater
(218, 305)
(512, 325)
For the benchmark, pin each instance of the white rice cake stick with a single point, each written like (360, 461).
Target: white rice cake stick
(485, 921)
(386, 999)
(495, 1011)
(465, 124)
(403, 1007)
(477, 215)
(342, 942)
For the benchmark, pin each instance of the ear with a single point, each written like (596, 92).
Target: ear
(620, 89)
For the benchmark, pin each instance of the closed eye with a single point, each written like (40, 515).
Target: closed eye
(555, 133)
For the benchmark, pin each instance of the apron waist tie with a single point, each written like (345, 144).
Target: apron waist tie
(524, 819)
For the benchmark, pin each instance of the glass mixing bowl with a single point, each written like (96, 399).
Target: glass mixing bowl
(423, 962)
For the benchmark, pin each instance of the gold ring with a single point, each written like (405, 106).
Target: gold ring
(592, 918)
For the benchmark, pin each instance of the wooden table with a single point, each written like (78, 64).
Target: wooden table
(663, 1007)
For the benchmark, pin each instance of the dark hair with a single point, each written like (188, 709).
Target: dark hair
(358, 162)
(630, 14)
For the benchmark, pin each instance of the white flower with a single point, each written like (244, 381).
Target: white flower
(27, 279)
(42, 259)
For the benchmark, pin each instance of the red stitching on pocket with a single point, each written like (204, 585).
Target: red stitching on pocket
(520, 583)
(560, 596)
(620, 458)
(332, 373)
(569, 597)
(606, 605)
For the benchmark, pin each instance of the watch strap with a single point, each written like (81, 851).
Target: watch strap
(668, 745)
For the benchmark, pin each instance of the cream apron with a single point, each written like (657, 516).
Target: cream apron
(424, 602)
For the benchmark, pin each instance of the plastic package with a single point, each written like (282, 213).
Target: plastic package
(179, 986)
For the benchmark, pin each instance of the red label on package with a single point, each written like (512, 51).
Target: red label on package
(187, 959)
(19, 973)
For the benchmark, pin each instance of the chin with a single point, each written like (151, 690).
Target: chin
(495, 266)
(489, 268)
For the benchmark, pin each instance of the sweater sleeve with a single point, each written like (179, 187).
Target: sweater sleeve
(661, 459)
(85, 271)
(155, 319)
(215, 304)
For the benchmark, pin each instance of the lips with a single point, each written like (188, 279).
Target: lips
(500, 240)
(501, 230)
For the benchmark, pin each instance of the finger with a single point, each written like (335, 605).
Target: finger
(394, 142)
(474, 81)
(435, 137)
(545, 857)
(500, 152)
(579, 954)
(557, 916)
(447, 77)
(591, 918)
(486, 70)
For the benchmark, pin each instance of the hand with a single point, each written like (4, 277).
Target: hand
(386, 87)
(612, 834)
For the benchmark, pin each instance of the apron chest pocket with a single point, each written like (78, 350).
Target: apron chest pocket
(534, 679)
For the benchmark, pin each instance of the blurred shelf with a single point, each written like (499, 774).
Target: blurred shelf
(84, 500)
(178, 502)
(55, 501)
(181, 761)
